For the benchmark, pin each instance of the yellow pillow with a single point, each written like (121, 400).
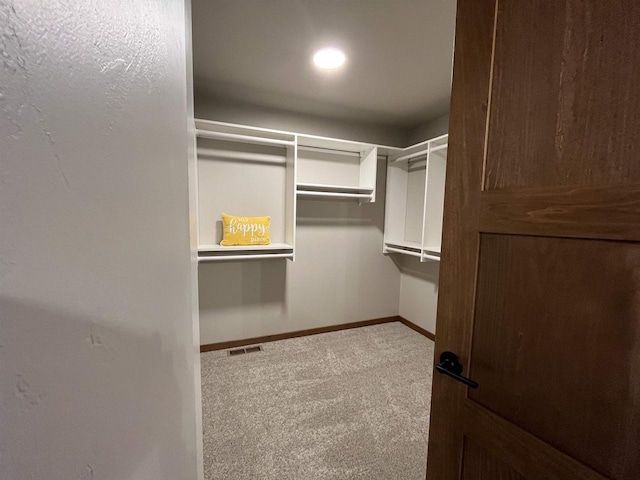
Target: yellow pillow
(245, 230)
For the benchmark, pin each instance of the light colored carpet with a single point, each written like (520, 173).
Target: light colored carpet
(341, 405)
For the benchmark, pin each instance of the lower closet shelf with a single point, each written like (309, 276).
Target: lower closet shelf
(413, 249)
(213, 253)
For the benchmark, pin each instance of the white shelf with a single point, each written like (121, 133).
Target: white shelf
(403, 244)
(412, 249)
(429, 257)
(334, 191)
(355, 196)
(245, 171)
(252, 171)
(213, 253)
(227, 258)
(332, 168)
(403, 251)
(318, 187)
(244, 248)
(414, 203)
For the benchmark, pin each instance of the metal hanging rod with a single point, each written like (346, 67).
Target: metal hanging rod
(234, 137)
(439, 147)
(412, 155)
(328, 150)
(406, 252)
(421, 153)
(309, 193)
(214, 154)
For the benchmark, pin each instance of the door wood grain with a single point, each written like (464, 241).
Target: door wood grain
(540, 271)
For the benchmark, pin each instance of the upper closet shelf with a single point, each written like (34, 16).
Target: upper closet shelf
(245, 171)
(332, 168)
(338, 191)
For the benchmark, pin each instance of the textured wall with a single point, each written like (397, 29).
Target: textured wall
(96, 340)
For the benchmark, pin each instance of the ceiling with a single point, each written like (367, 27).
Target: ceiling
(399, 56)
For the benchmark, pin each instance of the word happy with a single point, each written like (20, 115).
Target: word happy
(256, 231)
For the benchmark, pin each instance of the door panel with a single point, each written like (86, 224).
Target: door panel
(564, 94)
(479, 463)
(586, 212)
(544, 358)
(540, 272)
(522, 451)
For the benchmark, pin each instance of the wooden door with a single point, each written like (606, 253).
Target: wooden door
(540, 275)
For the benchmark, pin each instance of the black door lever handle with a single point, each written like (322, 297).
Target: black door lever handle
(450, 365)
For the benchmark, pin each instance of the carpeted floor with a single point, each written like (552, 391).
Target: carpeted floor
(342, 405)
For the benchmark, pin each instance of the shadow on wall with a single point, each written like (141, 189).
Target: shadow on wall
(426, 271)
(74, 392)
(257, 283)
(419, 291)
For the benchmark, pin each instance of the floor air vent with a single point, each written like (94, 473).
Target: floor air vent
(240, 351)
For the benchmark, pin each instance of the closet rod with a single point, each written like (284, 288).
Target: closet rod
(217, 258)
(323, 187)
(234, 137)
(216, 154)
(431, 257)
(406, 252)
(420, 157)
(346, 153)
(311, 193)
(439, 147)
(412, 155)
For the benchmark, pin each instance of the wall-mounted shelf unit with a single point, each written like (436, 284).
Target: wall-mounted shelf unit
(245, 171)
(330, 168)
(415, 200)
(212, 253)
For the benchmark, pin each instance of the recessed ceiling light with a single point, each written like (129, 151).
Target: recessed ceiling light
(329, 58)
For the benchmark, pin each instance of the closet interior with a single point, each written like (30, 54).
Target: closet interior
(361, 193)
(348, 167)
(415, 200)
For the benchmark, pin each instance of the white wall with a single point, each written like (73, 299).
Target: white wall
(340, 276)
(419, 281)
(96, 341)
(419, 291)
(433, 128)
(232, 111)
